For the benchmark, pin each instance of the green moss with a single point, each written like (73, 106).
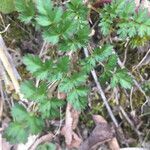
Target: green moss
(137, 99)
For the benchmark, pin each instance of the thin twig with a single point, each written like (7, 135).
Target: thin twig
(135, 82)
(45, 138)
(144, 58)
(3, 23)
(100, 91)
(146, 137)
(5, 29)
(44, 46)
(42, 49)
(60, 124)
(131, 92)
(1, 100)
(7, 66)
(125, 56)
(130, 122)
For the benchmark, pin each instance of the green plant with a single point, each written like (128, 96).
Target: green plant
(128, 23)
(49, 146)
(69, 31)
(7, 6)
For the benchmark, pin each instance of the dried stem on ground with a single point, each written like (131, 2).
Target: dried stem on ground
(45, 138)
(136, 83)
(142, 61)
(100, 91)
(8, 66)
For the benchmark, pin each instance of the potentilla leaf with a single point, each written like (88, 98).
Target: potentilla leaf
(28, 89)
(78, 103)
(69, 83)
(19, 113)
(53, 17)
(26, 8)
(25, 123)
(33, 93)
(52, 37)
(33, 63)
(7, 6)
(112, 62)
(35, 124)
(43, 20)
(101, 54)
(78, 9)
(121, 77)
(49, 108)
(44, 6)
(38, 68)
(128, 23)
(16, 133)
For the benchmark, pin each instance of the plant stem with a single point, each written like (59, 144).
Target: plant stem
(101, 93)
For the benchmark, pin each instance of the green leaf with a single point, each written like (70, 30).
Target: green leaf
(78, 9)
(77, 92)
(105, 77)
(33, 63)
(53, 17)
(51, 37)
(26, 9)
(47, 146)
(16, 133)
(25, 123)
(73, 86)
(78, 79)
(101, 54)
(43, 72)
(112, 62)
(38, 68)
(7, 6)
(59, 69)
(43, 20)
(121, 77)
(35, 124)
(65, 85)
(128, 23)
(49, 108)
(69, 83)
(58, 12)
(19, 113)
(88, 64)
(28, 89)
(33, 93)
(44, 6)
(63, 64)
(105, 26)
(77, 41)
(79, 103)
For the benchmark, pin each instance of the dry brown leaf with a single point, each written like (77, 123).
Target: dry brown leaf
(75, 116)
(37, 141)
(102, 133)
(9, 67)
(98, 119)
(67, 129)
(71, 121)
(76, 141)
(113, 144)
